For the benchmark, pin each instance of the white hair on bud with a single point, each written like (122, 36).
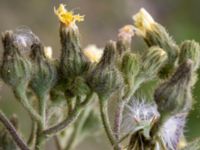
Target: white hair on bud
(137, 114)
(24, 38)
(172, 130)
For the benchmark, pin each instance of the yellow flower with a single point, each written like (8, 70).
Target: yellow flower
(143, 21)
(67, 17)
(93, 53)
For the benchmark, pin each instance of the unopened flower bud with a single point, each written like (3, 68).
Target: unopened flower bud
(124, 38)
(79, 87)
(73, 63)
(190, 49)
(153, 60)
(174, 96)
(15, 69)
(155, 35)
(105, 78)
(43, 72)
(130, 67)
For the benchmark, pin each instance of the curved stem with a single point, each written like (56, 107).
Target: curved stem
(118, 118)
(121, 105)
(60, 126)
(106, 124)
(74, 134)
(11, 129)
(77, 128)
(20, 94)
(32, 137)
(69, 120)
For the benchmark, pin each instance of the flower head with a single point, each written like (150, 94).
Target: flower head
(126, 32)
(140, 116)
(93, 53)
(143, 22)
(67, 17)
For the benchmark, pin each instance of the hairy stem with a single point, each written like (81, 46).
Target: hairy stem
(70, 118)
(77, 128)
(118, 119)
(121, 105)
(20, 94)
(42, 111)
(106, 124)
(32, 137)
(11, 129)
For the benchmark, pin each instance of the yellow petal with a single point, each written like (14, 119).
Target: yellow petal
(67, 17)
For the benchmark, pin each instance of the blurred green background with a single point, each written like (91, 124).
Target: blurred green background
(103, 18)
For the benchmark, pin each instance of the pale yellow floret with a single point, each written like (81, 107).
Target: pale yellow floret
(182, 143)
(162, 53)
(143, 21)
(48, 52)
(126, 32)
(67, 17)
(93, 53)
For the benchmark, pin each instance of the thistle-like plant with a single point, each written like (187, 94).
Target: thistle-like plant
(62, 96)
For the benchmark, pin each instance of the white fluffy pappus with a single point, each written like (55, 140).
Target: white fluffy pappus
(172, 130)
(24, 38)
(140, 114)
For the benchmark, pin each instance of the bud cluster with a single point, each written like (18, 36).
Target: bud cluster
(61, 92)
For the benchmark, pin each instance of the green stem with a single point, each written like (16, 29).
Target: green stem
(32, 137)
(20, 94)
(120, 107)
(70, 119)
(106, 124)
(42, 111)
(77, 128)
(118, 118)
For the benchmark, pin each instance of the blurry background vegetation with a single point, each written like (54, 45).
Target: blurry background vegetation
(102, 21)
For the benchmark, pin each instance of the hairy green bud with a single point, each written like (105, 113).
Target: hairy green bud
(130, 67)
(79, 87)
(73, 63)
(15, 69)
(156, 35)
(124, 39)
(190, 49)
(43, 72)
(152, 61)
(174, 96)
(159, 37)
(105, 78)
